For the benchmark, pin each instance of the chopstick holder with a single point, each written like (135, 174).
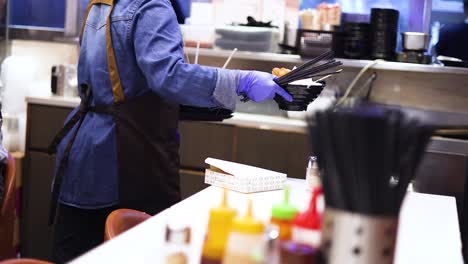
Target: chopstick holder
(357, 238)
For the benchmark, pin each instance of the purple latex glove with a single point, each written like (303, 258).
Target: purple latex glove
(260, 86)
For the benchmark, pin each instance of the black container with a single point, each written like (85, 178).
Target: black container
(383, 33)
(302, 97)
(357, 40)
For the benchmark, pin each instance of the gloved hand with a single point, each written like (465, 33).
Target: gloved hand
(260, 86)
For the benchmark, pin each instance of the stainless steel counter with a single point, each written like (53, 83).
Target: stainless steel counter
(296, 59)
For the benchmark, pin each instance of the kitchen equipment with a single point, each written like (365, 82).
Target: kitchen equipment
(192, 113)
(310, 43)
(415, 45)
(418, 57)
(368, 156)
(242, 178)
(415, 41)
(313, 174)
(219, 227)
(306, 225)
(307, 70)
(282, 215)
(384, 28)
(302, 95)
(259, 39)
(294, 253)
(246, 242)
(11, 133)
(452, 62)
(229, 58)
(64, 80)
(299, 84)
(177, 246)
(356, 40)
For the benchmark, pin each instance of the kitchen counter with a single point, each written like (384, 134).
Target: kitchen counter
(53, 100)
(296, 59)
(428, 229)
(263, 122)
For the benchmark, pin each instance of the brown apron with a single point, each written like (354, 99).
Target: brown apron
(147, 143)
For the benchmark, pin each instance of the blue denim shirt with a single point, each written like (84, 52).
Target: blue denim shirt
(149, 51)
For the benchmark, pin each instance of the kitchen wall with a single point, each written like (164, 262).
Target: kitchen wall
(48, 53)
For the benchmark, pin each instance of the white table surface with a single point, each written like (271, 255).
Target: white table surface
(428, 231)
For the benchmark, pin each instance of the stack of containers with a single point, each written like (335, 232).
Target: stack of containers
(384, 32)
(356, 40)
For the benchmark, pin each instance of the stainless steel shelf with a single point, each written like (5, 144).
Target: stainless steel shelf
(296, 59)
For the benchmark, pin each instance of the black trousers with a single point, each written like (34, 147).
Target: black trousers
(77, 231)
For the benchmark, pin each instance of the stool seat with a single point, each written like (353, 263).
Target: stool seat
(122, 220)
(24, 261)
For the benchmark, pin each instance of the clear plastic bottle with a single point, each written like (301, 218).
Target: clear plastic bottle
(313, 174)
(177, 246)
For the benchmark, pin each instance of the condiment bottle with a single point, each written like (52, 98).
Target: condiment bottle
(313, 174)
(219, 226)
(177, 245)
(282, 215)
(295, 253)
(306, 225)
(246, 243)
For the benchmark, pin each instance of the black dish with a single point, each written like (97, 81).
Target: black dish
(190, 113)
(302, 97)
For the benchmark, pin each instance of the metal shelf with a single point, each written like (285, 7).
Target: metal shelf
(296, 59)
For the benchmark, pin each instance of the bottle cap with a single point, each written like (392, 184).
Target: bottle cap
(310, 219)
(223, 214)
(313, 173)
(219, 226)
(248, 224)
(284, 210)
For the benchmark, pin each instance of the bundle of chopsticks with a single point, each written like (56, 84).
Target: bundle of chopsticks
(368, 156)
(310, 69)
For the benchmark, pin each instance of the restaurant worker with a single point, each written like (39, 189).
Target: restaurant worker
(119, 148)
(453, 39)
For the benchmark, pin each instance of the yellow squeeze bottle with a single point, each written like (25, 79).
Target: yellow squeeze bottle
(246, 243)
(219, 227)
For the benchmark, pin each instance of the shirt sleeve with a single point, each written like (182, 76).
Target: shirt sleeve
(159, 52)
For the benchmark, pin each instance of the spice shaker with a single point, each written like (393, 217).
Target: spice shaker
(313, 174)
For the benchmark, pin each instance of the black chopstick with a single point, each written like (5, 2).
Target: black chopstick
(306, 75)
(322, 56)
(303, 71)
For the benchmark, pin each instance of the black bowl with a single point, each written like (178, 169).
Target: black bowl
(302, 97)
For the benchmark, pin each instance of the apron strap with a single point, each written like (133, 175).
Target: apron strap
(117, 89)
(78, 117)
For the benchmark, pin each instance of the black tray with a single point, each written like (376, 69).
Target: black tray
(191, 113)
